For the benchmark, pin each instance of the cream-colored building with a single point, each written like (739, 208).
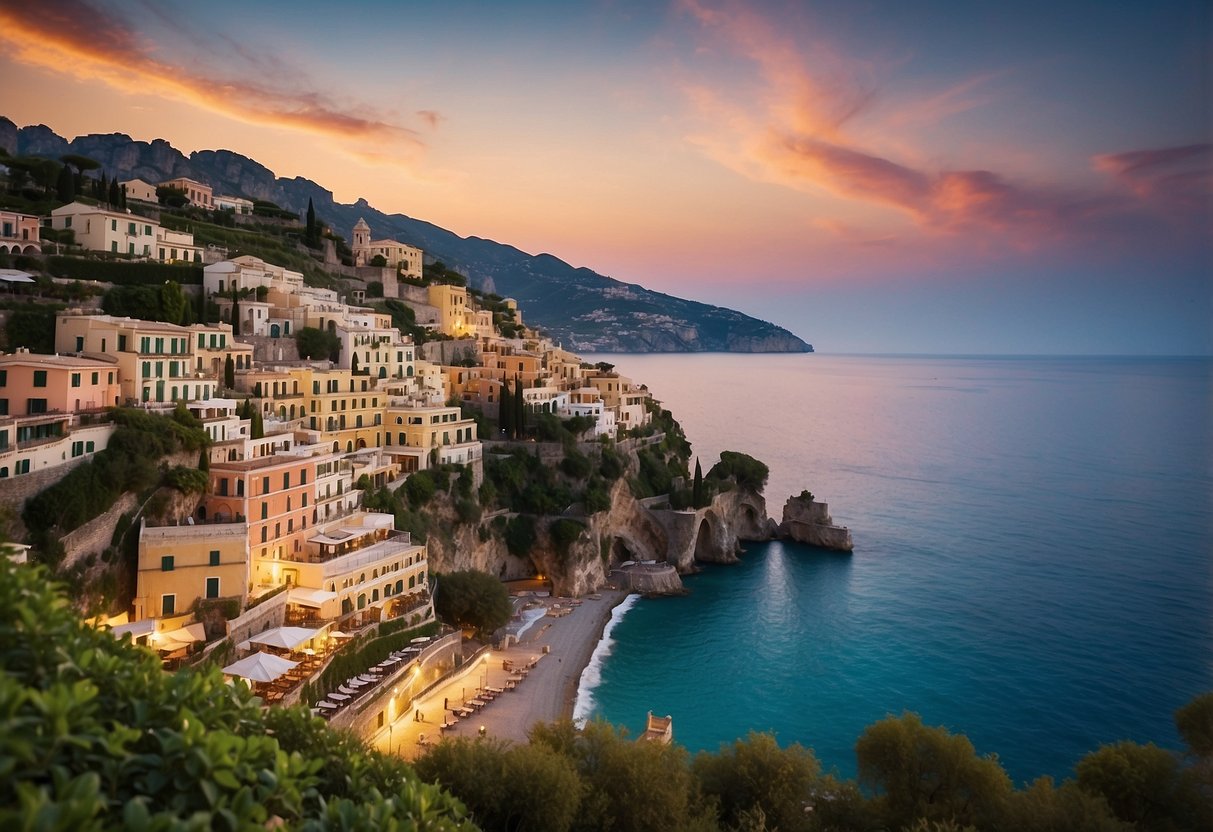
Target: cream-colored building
(117, 232)
(140, 191)
(235, 204)
(406, 259)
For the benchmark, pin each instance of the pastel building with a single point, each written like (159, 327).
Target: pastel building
(235, 204)
(198, 194)
(140, 191)
(49, 410)
(19, 233)
(182, 565)
(155, 361)
(418, 435)
(117, 232)
(406, 259)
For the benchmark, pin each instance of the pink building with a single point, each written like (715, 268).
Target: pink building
(19, 234)
(32, 383)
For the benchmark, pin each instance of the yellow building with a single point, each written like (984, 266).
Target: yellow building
(455, 317)
(180, 565)
(156, 361)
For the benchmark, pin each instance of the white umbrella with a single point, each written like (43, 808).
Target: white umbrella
(286, 637)
(260, 667)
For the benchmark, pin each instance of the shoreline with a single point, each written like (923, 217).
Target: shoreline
(548, 693)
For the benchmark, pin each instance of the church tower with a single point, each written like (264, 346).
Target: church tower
(362, 242)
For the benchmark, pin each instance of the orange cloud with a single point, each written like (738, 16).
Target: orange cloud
(72, 36)
(1182, 175)
(797, 128)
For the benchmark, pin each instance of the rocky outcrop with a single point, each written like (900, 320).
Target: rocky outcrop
(807, 521)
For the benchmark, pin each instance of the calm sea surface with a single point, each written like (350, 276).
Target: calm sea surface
(1033, 562)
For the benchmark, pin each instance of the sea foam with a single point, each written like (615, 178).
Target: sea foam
(591, 677)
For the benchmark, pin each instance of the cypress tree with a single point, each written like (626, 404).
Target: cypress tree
(122, 198)
(229, 373)
(114, 196)
(101, 187)
(235, 314)
(519, 409)
(354, 364)
(697, 500)
(204, 459)
(66, 186)
(311, 234)
(505, 410)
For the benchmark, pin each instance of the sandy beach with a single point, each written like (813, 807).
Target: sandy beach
(546, 693)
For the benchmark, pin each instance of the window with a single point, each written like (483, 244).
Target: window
(212, 587)
(39, 378)
(75, 379)
(22, 466)
(4, 409)
(265, 485)
(166, 563)
(89, 447)
(265, 533)
(113, 225)
(286, 480)
(168, 605)
(214, 557)
(96, 377)
(265, 510)
(3, 378)
(35, 406)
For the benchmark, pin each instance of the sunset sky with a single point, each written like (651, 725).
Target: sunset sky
(875, 176)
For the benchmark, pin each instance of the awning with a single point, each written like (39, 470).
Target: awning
(305, 597)
(136, 629)
(260, 667)
(14, 276)
(285, 637)
(181, 637)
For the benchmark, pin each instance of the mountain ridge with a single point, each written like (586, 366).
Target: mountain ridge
(580, 308)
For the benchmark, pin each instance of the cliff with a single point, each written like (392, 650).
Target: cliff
(583, 310)
(807, 521)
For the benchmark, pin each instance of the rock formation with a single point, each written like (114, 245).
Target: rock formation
(807, 521)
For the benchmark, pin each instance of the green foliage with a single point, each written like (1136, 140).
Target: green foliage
(1145, 786)
(467, 511)
(128, 463)
(506, 787)
(699, 497)
(597, 497)
(97, 736)
(472, 600)
(748, 473)
(926, 772)
(32, 327)
(124, 272)
(626, 786)
(564, 533)
(356, 657)
(316, 344)
(576, 464)
(166, 302)
(611, 464)
(229, 373)
(187, 480)
(1195, 724)
(520, 535)
(756, 774)
(420, 488)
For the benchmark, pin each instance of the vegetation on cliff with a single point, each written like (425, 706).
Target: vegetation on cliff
(94, 735)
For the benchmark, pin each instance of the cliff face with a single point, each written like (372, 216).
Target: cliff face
(807, 521)
(626, 531)
(584, 310)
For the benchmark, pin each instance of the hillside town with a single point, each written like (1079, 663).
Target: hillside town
(278, 558)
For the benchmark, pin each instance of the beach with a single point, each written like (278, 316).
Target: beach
(552, 651)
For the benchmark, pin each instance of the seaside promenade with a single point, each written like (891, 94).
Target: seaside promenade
(544, 694)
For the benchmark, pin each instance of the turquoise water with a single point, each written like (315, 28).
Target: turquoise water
(1033, 558)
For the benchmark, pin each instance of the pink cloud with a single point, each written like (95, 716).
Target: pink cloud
(797, 129)
(74, 36)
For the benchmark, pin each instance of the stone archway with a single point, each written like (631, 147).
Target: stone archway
(707, 547)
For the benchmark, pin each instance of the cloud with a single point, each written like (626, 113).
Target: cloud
(796, 121)
(76, 37)
(1181, 176)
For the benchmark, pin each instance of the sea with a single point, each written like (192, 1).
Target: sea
(1033, 561)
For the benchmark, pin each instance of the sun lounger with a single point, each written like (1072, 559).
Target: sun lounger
(325, 705)
(339, 697)
(369, 680)
(348, 691)
(355, 682)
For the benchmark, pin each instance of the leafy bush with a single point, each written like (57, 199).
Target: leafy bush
(124, 272)
(576, 465)
(187, 480)
(748, 473)
(472, 599)
(317, 344)
(97, 736)
(420, 488)
(468, 511)
(520, 535)
(564, 533)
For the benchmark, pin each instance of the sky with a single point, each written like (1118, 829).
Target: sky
(888, 177)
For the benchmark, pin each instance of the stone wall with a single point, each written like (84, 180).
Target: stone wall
(14, 491)
(264, 616)
(97, 533)
(267, 350)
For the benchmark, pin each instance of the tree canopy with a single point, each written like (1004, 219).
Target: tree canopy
(472, 599)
